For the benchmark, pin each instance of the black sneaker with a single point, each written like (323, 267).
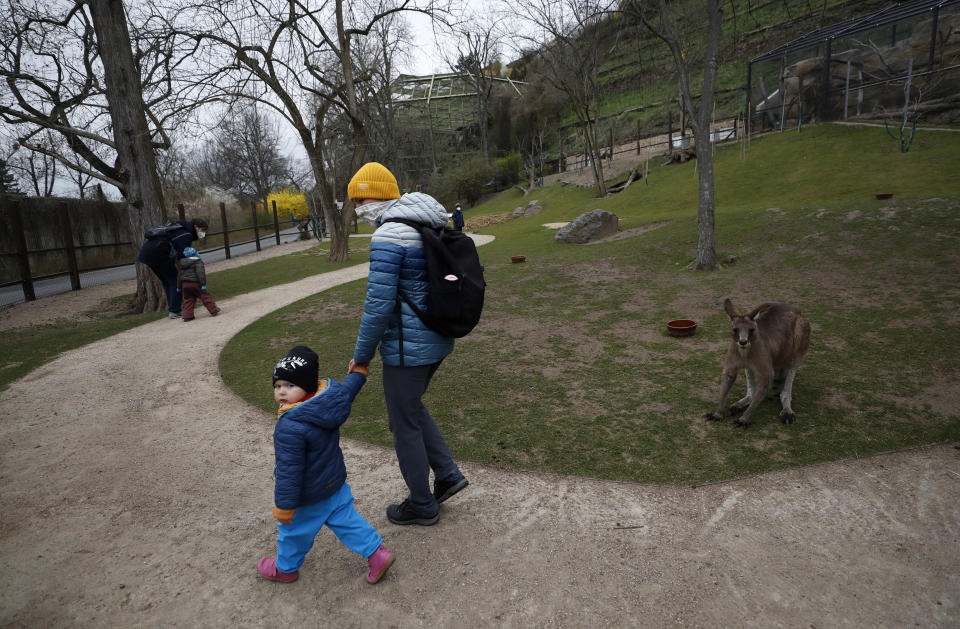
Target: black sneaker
(443, 489)
(403, 514)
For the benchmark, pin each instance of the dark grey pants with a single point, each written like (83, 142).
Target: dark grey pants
(417, 440)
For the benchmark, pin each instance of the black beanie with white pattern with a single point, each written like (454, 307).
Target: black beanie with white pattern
(301, 366)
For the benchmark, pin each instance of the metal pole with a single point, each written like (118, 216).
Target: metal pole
(226, 230)
(71, 250)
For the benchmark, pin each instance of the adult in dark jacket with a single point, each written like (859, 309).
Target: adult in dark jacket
(161, 254)
(411, 352)
(458, 218)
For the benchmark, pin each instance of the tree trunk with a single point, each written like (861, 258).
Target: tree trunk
(590, 145)
(339, 248)
(706, 249)
(138, 169)
(699, 120)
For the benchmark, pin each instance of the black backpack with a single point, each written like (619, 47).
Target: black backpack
(455, 295)
(161, 231)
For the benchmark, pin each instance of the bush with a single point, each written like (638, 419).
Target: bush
(462, 182)
(290, 202)
(507, 170)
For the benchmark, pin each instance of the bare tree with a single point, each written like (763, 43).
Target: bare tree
(50, 62)
(137, 172)
(388, 39)
(664, 23)
(532, 122)
(299, 60)
(36, 170)
(244, 155)
(570, 44)
(477, 46)
(112, 110)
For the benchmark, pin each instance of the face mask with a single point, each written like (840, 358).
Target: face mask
(201, 235)
(370, 212)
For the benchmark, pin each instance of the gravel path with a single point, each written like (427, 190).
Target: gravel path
(137, 492)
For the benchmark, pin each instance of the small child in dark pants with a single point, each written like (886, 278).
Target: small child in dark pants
(192, 282)
(311, 489)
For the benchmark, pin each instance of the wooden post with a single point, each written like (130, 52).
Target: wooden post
(256, 228)
(226, 230)
(276, 222)
(638, 137)
(182, 213)
(22, 258)
(71, 250)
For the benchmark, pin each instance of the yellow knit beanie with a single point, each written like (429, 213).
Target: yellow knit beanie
(373, 181)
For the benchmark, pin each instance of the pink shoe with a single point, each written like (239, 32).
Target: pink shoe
(268, 570)
(380, 561)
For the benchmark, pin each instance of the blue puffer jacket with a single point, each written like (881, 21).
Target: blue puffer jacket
(306, 443)
(397, 263)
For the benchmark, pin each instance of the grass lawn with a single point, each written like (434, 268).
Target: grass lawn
(25, 349)
(571, 370)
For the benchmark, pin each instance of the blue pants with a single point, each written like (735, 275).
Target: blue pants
(295, 540)
(419, 445)
(167, 274)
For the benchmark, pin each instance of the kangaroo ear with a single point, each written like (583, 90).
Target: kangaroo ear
(757, 313)
(731, 311)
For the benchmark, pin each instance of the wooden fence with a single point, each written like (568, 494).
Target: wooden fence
(71, 248)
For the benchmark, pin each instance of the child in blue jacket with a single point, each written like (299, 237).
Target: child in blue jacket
(311, 489)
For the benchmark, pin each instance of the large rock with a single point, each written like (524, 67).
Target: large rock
(533, 210)
(589, 227)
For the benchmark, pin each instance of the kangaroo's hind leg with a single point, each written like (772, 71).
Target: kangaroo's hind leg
(786, 396)
(744, 402)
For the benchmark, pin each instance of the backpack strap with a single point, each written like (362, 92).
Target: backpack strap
(416, 310)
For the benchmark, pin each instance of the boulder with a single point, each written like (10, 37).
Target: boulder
(589, 227)
(518, 211)
(533, 210)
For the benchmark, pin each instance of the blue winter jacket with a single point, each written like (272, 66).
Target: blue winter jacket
(397, 263)
(157, 252)
(306, 443)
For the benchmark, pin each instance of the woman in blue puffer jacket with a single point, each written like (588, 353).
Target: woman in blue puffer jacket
(411, 352)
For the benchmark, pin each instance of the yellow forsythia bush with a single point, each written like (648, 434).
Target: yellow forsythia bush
(290, 202)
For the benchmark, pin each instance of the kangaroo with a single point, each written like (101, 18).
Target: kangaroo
(769, 342)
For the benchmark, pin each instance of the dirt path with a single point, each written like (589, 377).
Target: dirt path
(137, 492)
